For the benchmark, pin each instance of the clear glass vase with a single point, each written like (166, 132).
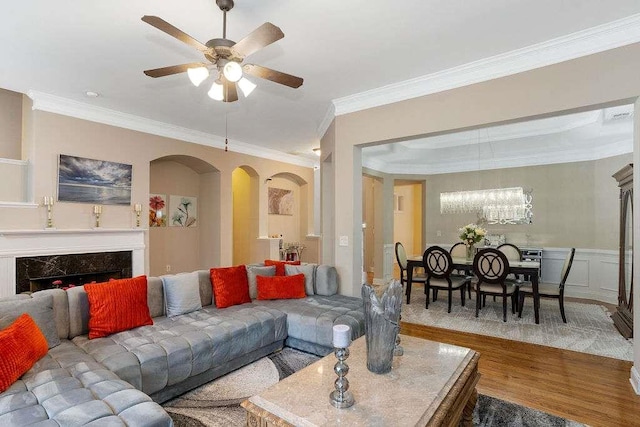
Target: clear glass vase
(471, 251)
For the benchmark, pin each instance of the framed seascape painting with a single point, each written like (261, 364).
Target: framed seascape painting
(158, 210)
(83, 180)
(184, 211)
(280, 201)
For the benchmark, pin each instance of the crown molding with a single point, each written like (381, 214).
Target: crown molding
(326, 120)
(603, 151)
(586, 42)
(67, 107)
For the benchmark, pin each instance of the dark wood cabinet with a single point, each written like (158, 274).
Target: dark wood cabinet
(623, 317)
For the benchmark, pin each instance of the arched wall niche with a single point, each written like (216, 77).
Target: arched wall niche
(246, 214)
(174, 248)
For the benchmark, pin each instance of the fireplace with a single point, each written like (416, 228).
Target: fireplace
(36, 273)
(60, 243)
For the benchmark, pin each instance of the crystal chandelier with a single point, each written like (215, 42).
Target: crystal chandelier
(497, 205)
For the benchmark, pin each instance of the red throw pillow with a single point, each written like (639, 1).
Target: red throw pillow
(117, 305)
(22, 344)
(281, 287)
(230, 286)
(279, 265)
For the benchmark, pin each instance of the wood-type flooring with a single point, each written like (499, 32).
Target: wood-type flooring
(590, 389)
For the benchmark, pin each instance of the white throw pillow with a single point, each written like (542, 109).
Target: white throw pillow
(181, 293)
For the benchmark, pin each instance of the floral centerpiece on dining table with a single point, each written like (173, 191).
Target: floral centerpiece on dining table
(471, 234)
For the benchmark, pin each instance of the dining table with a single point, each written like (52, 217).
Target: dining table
(527, 268)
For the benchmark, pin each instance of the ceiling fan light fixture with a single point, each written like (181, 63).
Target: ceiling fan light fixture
(232, 71)
(197, 75)
(217, 91)
(246, 86)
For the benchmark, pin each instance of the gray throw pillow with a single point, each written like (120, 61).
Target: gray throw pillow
(40, 309)
(326, 280)
(252, 272)
(309, 271)
(181, 293)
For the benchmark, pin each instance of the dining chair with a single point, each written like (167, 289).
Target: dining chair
(459, 250)
(512, 252)
(491, 268)
(401, 257)
(550, 290)
(438, 266)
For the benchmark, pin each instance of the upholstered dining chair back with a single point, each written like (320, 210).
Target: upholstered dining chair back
(568, 261)
(512, 252)
(491, 266)
(437, 262)
(401, 256)
(459, 250)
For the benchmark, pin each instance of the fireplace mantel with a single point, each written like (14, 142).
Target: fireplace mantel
(21, 243)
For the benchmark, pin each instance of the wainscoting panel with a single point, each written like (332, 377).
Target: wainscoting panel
(593, 275)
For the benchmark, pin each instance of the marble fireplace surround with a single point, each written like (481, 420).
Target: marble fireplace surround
(32, 243)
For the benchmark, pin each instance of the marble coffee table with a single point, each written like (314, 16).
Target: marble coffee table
(431, 384)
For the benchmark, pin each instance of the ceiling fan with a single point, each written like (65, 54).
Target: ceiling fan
(225, 58)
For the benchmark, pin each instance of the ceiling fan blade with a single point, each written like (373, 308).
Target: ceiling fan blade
(230, 91)
(174, 69)
(165, 27)
(273, 75)
(262, 36)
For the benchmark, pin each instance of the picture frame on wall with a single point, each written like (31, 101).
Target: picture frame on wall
(83, 180)
(158, 208)
(183, 211)
(280, 201)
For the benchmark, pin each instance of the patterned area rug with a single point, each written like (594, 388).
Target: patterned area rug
(217, 404)
(589, 328)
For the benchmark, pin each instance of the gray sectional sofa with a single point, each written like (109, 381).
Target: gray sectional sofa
(121, 379)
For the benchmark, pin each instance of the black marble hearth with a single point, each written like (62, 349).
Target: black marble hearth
(39, 272)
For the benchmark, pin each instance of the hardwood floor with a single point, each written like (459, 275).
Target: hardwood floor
(590, 389)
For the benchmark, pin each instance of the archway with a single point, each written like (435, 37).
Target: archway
(184, 215)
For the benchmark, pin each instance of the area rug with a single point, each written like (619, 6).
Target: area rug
(589, 328)
(217, 404)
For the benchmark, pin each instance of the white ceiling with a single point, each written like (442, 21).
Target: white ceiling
(582, 136)
(341, 48)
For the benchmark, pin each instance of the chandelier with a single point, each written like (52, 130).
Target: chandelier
(497, 205)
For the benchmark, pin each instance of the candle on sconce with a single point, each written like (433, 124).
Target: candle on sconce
(97, 209)
(341, 336)
(137, 208)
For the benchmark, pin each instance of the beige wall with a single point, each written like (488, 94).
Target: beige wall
(286, 225)
(174, 249)
(46, 135)
(568, 198)
(10, 124)
(606, 78)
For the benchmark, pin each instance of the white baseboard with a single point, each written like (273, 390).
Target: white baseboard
(635, 379)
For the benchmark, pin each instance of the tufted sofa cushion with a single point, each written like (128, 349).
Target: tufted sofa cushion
(310, 320)
(68, 387)
(174, 349)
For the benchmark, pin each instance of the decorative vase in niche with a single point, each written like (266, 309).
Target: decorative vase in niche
(381, 325)
(471, 251)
